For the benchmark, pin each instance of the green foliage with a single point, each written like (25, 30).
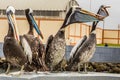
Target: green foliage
(109, 45)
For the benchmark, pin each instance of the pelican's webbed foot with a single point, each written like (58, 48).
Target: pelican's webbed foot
(8, 69)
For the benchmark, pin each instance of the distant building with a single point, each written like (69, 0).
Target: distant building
(41, 8)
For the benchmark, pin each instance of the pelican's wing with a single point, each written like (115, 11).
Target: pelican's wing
(48, 43)
(14, 52)
(26, 48)
(77, 46)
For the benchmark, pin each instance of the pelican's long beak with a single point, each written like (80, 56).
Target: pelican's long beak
(16, 29)
(79, 15)
(10, 20)
(35, 25)
(107, 6)
(10, 11)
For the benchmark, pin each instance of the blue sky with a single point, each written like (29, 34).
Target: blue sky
(113, 20)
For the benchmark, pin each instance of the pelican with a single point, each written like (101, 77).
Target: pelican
(83, 51)
(55, 49)
(12, 49)
(35, 43)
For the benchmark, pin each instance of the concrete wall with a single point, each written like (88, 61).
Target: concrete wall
(106, 54)
(102, 54)
(1, 50)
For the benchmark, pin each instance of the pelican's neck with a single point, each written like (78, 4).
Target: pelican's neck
(30, 25)
(10, 32)
(16, 32)
(94, 25)
(93, 32)
(61, 33)
(30, 30)
(66, 19)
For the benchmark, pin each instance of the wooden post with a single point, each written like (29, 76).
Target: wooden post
(118, 33)
(38, 26)
(103, 32)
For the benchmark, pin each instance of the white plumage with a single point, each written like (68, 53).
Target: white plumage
(31, 11)
(79, 43)
(27, 49)
(10, 8)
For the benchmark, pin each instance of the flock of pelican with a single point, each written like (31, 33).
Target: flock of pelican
(28, 51)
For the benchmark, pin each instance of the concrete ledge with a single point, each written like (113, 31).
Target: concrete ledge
(61, 76)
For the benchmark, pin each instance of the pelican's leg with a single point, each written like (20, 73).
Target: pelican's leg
(45, 68)
(41, 63)
(79, 64)
(51, 68)
(85, 67)
(21, 70)
(8, 69)
(61, 68)
(35, 70)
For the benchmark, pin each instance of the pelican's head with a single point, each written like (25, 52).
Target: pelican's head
(103, 11)
(104, 6)
(32, 22)
(28, 11)
(10, 11)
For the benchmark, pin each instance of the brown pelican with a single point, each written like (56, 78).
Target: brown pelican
(55, 49)
(12, 49)
(35, 43)
(83, 51)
